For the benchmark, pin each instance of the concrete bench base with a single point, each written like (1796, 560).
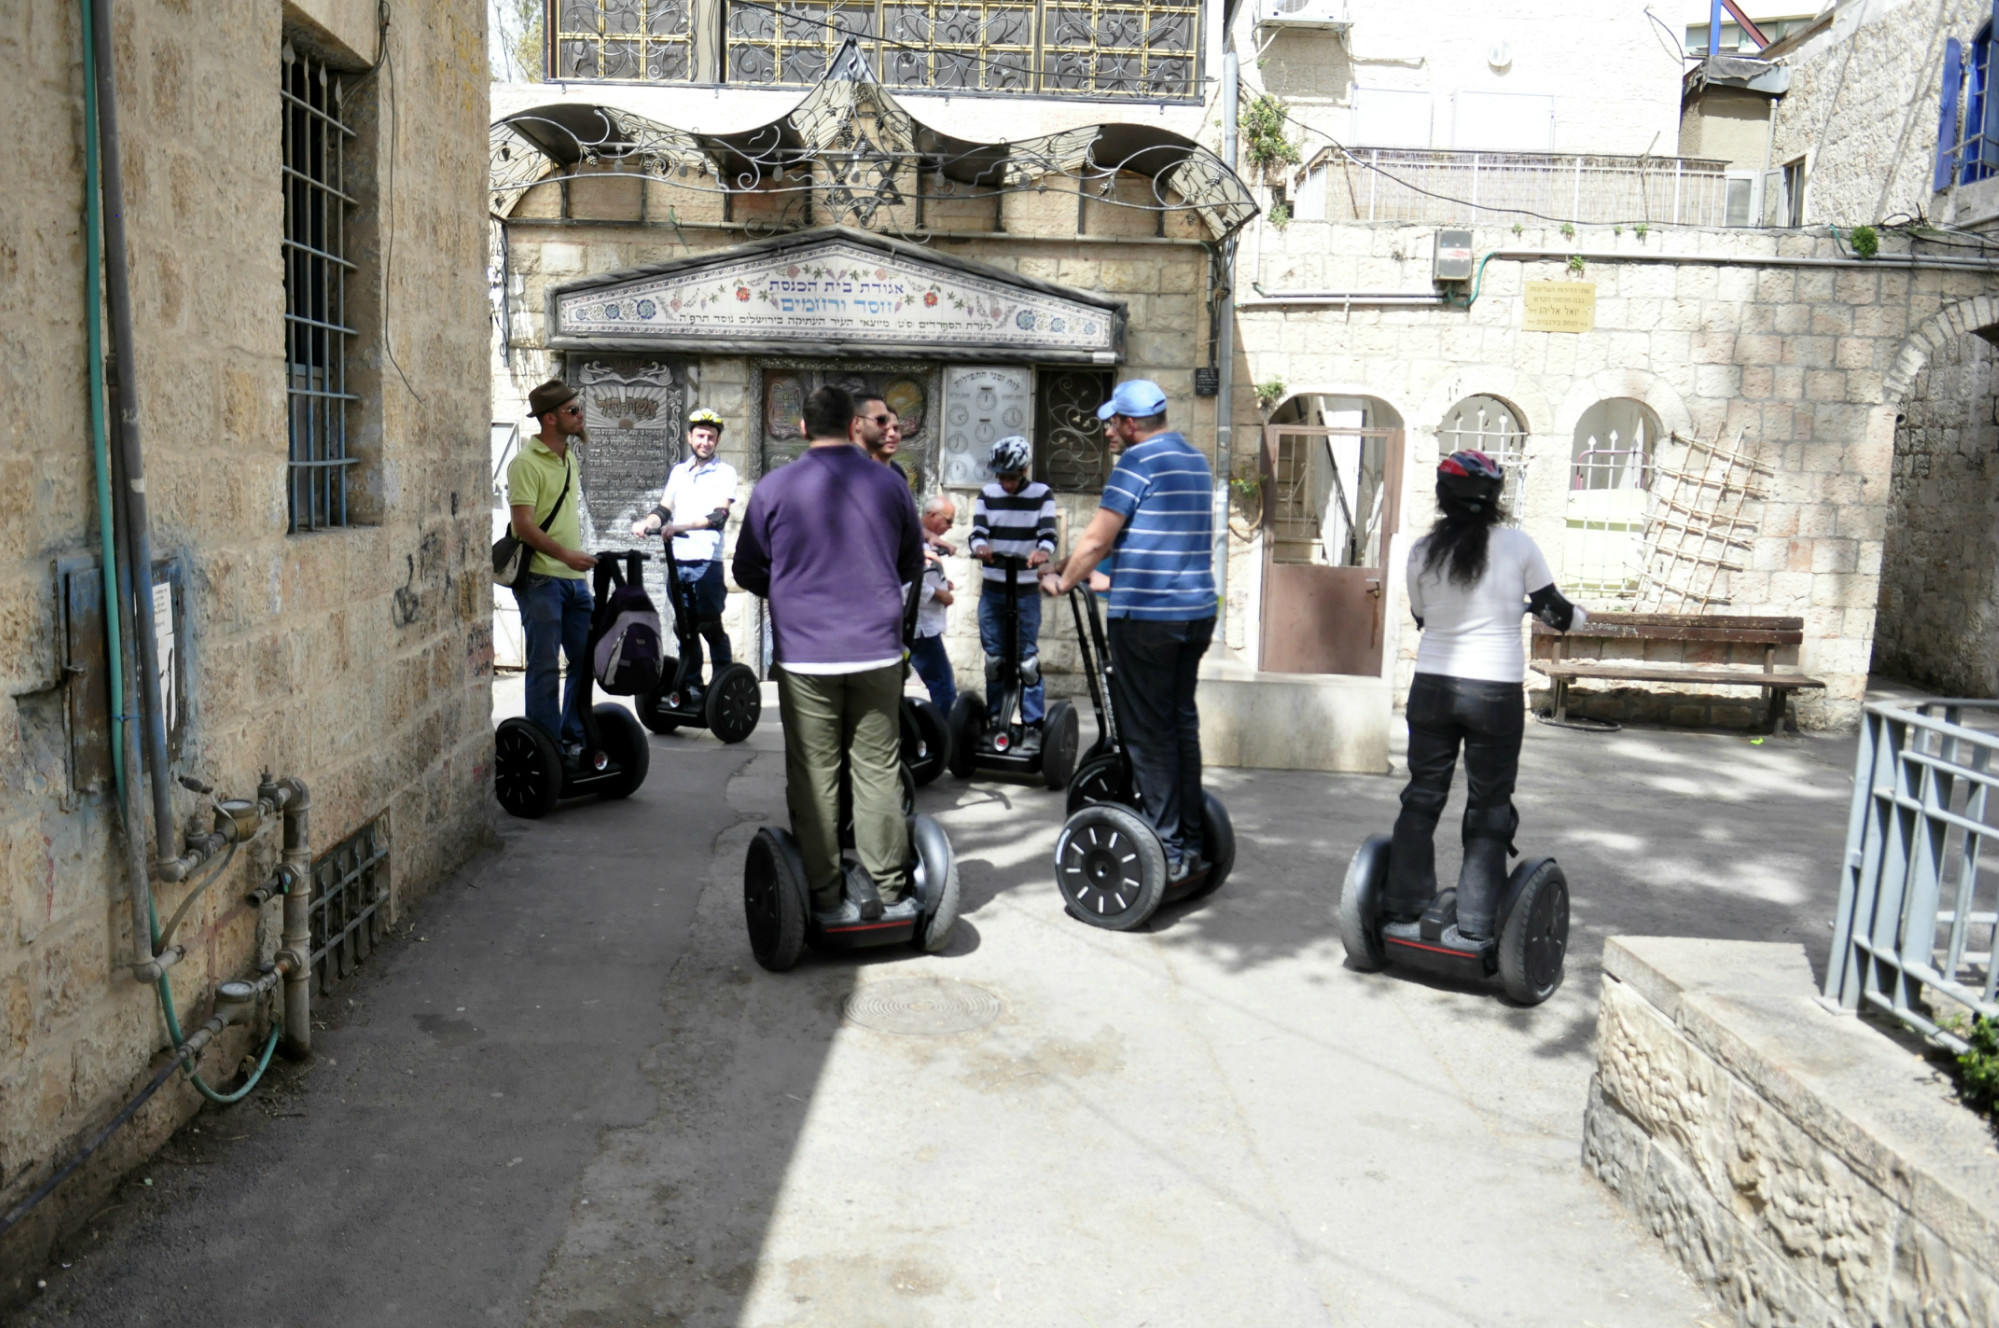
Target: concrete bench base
(1293, 721)
(1800, 1164)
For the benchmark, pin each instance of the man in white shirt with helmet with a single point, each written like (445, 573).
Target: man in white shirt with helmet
(693, 510)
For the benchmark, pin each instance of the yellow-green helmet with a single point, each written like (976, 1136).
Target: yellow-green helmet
(705, 416)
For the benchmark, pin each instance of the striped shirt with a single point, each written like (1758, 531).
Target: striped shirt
(1014, 525)
(1165, 553)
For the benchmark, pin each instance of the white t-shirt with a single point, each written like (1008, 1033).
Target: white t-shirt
(694, 488)
(1474, 631)
(932, 617)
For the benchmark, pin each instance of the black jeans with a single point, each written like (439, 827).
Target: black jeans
(1156, 664)
(1488, 718)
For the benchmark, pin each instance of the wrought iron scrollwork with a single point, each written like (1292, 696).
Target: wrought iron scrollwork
(649, 41)
(1072, 450)
(849, 153)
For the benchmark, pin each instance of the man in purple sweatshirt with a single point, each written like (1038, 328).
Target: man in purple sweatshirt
(830, 540)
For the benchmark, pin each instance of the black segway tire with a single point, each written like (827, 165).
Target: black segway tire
(774, 899)
(735, 703)
(926, 740)
(1103, 778)
(908, 790)
(625, 743)
(650, 714)
(1535, 936)
(1360, 905)
(527, 769)
(1060, 737)
(1110, 867)
(935, 880)
(968, 724)
(1217, 845)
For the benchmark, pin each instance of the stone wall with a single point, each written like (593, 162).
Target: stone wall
(1713, 330)
(1862, 108)
(355, 659)
(1939, 618)
(1802, 1166)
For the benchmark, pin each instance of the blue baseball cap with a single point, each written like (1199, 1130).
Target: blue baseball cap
(1136, 399)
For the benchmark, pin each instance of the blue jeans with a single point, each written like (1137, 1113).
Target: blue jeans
(711, 595)
(555, 615)
(992, 601)
(933, 664)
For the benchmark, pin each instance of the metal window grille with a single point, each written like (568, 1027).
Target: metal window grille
(648, 41)
(350, 892)
(1916, 915)
(1610, 478)
(316, 267)
(1072, 454)
(1488, 425)
(1433, 185)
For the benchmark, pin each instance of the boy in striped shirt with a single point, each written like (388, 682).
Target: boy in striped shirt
(1014, 517)
(1157, 517)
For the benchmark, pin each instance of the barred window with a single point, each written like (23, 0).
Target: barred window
(316, 140)
(1093, 48)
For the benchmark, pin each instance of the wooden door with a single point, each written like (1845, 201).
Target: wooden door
(1333, 503)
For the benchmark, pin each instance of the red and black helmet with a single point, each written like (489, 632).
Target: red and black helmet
(1470, 480)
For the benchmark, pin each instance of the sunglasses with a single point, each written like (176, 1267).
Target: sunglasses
(572, 410)
(882, 420)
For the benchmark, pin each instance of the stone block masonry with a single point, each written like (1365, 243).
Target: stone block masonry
(1801, 1165)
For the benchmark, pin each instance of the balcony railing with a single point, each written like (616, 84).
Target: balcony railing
(1421, 185)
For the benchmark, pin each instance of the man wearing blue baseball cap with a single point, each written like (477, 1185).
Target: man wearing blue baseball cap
(1156, 518)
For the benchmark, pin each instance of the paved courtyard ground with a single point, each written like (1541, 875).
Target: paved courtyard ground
(567, 1095)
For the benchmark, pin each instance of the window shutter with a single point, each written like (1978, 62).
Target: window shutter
(1947, 139)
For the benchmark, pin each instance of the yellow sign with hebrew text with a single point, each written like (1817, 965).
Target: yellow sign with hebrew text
(1558, 306)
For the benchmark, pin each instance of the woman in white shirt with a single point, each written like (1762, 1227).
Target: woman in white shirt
(1469, 580)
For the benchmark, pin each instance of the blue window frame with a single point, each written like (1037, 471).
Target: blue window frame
(1968, 149)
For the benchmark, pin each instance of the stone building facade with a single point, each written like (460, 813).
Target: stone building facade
(333, 632)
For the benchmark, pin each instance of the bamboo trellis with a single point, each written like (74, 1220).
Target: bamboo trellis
(1696, 527)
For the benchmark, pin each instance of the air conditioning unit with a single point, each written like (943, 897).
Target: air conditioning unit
(1308, 15)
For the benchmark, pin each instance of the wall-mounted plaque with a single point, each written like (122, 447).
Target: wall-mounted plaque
(1558, 306)
(981, 405)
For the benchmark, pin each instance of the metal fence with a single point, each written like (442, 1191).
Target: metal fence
(1420, 185)
(1916, 913)
(350, 895)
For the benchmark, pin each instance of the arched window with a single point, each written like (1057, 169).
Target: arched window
(1489, 425)
(1610, 475)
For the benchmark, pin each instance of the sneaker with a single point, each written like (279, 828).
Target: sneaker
(861, 892)
(1030, 739)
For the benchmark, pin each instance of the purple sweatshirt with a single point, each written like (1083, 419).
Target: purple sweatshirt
(830, 540)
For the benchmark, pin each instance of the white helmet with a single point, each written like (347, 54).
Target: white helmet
(1009, 454)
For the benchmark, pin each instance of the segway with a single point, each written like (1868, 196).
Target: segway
(926, 733)
(993, 740)
(1527, 953)
(1109, 864)
(731, 702)
(777, 898)
(528, 775)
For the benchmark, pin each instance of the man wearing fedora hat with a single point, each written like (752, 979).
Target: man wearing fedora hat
(554, 596)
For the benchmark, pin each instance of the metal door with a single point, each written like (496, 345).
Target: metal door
(1333, 503)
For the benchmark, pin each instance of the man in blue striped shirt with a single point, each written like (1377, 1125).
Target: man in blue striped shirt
(1156, 519)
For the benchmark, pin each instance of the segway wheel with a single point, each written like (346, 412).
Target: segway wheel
(774, 895)
(908, 790)
(1100, 779)
(1060, 737)
(735, 703)
(1110, 867)
(936, 883)
(1217, 845)
(527, 769)
(650, 714)
(625, 743)
(968, 723)
(1535, 938)
(926, 740)
(1360, 905)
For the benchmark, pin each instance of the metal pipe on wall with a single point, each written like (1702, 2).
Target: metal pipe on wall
(1225, 354)
(296, 952)
(131, 496)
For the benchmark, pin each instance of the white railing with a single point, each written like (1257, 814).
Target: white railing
(1413, 184)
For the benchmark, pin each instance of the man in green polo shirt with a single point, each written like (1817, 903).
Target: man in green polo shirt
(555, 595)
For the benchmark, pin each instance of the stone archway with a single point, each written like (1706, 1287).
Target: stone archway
(1937, 618)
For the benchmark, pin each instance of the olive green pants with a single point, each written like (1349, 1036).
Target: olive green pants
(824, 716)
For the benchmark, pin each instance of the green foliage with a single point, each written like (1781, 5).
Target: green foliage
(1568, 231)
(1264, 145)
(1268, 394)
(1280, 214)
(1617, 230)
(1517, 228)
(1576, 264)
(1865, 242)
(1978, 1068)
(1640, 229)
(520, 24)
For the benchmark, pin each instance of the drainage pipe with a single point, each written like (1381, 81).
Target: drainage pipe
(1904, 261)
(1225, 354)
(132, 499)
(295, 874)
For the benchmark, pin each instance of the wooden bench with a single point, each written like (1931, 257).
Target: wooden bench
(1709, 642)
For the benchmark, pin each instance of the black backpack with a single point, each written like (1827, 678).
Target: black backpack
(626, 654)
